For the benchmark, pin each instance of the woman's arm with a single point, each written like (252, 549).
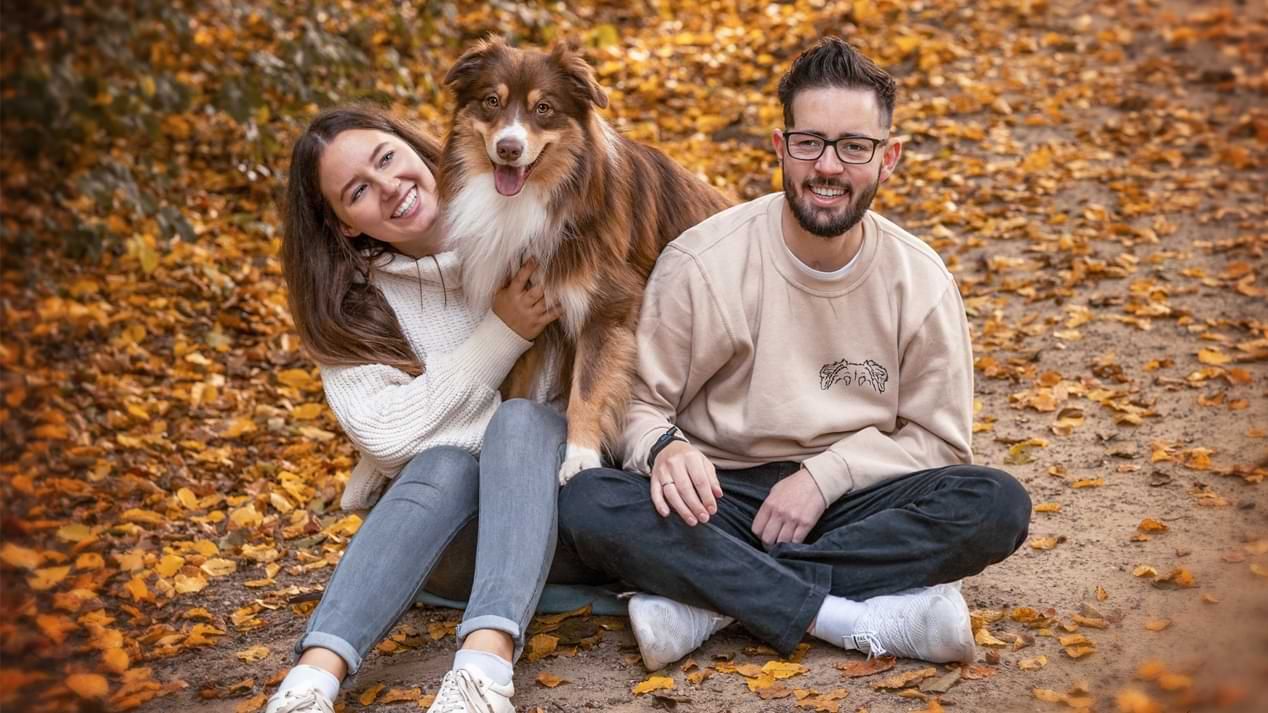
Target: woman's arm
(393, 417)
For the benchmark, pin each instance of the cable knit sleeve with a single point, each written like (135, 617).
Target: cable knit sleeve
(392, 417)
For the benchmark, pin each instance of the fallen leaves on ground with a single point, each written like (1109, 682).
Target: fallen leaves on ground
(653, 683)
(1091, 174)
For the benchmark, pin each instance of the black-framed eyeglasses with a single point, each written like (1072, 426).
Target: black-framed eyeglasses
(805, 146)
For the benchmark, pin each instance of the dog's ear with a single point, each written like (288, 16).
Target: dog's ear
(472, 62)
(579, 74)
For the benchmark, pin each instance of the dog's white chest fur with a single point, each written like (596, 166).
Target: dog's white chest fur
(493, 233)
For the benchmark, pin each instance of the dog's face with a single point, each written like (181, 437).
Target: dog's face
(521, 113)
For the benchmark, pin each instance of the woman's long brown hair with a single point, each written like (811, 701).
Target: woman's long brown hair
(341, 317)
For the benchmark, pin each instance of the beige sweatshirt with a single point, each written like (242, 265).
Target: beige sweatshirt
(861, 378)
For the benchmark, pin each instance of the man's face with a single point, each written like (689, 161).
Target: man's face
(827, 196)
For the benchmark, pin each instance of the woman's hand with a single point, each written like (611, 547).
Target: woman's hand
(524, 308)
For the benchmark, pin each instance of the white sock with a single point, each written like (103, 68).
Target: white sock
(496, 668)
(305, 676)
(836, 620)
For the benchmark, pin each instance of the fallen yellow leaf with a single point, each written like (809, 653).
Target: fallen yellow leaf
(1133, 700)
(984, 637)
(549, 680)
(908, 678)
(116, 660)
(654, 683)
(21, 557)
(253, 654)
(1033, 664)
(88, 685)
(401, 695)
(1045, 543)
(1144, 570)
(369, 695)
(867, 667)
(540, 646)
(1213, 357)
(47, 578)
(169, 565)
(307, 412)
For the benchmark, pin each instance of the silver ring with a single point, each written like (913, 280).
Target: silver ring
(666, 485)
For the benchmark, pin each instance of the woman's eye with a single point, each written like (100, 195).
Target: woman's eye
(357, 193)
(543, 108)
(491, 102)
(387, 158)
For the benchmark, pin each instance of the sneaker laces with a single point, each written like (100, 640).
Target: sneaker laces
(302, 701)
(893, 628)
(868, 643)
(454, 695)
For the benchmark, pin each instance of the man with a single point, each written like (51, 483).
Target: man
(797, 449)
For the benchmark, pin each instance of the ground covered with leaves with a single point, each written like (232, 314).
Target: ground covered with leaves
(1093, 173)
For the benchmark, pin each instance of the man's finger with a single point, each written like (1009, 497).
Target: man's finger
(759, 522)
(770, 533)
(703, 489)
(799, 535)
(687, 491)
(658, 499)
(713, 477)
(670, 491)
(786, 532)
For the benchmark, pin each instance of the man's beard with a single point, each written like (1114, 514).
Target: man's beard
(822, 222)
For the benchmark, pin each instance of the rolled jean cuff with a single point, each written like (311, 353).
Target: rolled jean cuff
(497, 623)
(787, 642)
(345, 651)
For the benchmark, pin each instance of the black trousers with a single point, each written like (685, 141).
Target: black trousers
(919, 530)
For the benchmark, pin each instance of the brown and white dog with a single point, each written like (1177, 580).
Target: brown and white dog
(530, 169)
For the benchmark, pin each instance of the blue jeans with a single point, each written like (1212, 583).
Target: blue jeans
(926, 528)
(509, 493)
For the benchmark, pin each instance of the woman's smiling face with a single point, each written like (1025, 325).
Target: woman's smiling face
(379, 186)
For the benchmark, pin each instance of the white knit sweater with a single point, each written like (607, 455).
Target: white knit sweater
(392, 417)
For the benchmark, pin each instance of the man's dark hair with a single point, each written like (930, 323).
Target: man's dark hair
(832, 62)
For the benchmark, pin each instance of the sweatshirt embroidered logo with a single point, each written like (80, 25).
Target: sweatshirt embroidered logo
(849, 372)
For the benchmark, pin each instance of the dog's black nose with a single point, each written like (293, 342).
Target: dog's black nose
(510, 149)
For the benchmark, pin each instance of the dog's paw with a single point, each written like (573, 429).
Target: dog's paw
(577, 459)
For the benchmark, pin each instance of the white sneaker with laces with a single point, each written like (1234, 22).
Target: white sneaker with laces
(667, 630)
(299, 700)
(466, 690)
(931, 624)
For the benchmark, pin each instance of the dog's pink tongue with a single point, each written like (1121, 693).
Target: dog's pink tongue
(509, 180)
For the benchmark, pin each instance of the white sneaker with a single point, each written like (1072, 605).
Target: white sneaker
(466, 690)
(299, 700)
(931, 624)
(667, 630)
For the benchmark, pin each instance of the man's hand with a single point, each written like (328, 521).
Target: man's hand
(685, 481)
(790, 511)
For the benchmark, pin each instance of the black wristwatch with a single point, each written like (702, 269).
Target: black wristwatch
(666, 438)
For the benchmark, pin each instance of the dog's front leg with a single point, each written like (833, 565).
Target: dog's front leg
(601, 378)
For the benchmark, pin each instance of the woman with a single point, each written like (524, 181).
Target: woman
(412, 376)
